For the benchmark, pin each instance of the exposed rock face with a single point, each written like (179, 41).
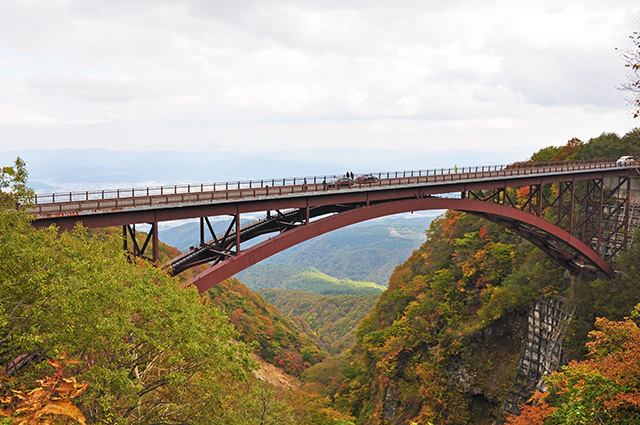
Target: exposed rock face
(542, 353)
(391, 402)
(275, 375)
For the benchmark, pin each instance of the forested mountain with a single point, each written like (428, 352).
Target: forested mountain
(278, 341)
(442, 343)
(333, 318)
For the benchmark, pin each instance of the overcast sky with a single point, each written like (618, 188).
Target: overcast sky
(248, 75)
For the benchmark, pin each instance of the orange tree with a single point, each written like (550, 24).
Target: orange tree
(603, 389)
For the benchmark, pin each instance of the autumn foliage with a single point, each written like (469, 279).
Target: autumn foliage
(48, 403)
(276, 338)
(605, 389)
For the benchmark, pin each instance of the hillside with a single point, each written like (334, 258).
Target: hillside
(333, 319)
(277, 340)
(442, 343)
(89, 336)
(264, 276)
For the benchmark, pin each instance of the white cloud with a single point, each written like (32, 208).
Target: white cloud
(96, 89)
(143, 74)
(44, 121)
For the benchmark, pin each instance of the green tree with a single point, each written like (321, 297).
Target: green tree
(138, 348)
(149, 350)
(13, 185)
(558, 153)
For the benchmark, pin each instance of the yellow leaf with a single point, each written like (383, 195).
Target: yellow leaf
(70, 388)
(65, 408)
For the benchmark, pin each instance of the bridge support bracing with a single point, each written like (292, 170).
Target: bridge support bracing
(129, 232)
(596, 211)
(237, 220)
(156, 242)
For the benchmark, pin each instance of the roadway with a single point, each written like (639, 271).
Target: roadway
(100, 208)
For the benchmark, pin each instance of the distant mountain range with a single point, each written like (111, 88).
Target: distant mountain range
(63, 170)
(363, 252)
(358, 256)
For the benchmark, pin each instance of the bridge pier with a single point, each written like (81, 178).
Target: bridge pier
(129, 231)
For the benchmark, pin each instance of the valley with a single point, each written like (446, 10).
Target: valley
(401, 320)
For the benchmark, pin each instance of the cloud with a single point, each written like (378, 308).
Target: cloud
(45, 121)
(94, 89)
(248, 74)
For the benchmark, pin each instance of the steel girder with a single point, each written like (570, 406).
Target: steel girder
(558, 243)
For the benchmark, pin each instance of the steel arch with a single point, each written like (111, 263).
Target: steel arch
(543, 234)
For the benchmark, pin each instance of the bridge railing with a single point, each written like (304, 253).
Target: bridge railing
(134, 197)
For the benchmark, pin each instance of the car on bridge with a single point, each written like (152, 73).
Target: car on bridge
(626, 160)
(338, 183)
(366, 178)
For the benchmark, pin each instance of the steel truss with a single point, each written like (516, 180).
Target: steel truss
(129, 233)
(596, 211)
(221, 247)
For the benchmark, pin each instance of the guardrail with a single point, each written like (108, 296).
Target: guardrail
(59, 203)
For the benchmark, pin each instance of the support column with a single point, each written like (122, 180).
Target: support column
(561, 190)
(585, 207)
(627, 212)
(155, 242)
(600, 214)
(572, 205)
(540, 200)
(237, 229)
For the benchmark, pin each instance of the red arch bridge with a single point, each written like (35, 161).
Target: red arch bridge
(582, 213)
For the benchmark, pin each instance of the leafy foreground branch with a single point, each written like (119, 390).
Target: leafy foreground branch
(49, 400)
(632, 63)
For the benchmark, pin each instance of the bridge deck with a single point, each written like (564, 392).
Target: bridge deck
(120, 200)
